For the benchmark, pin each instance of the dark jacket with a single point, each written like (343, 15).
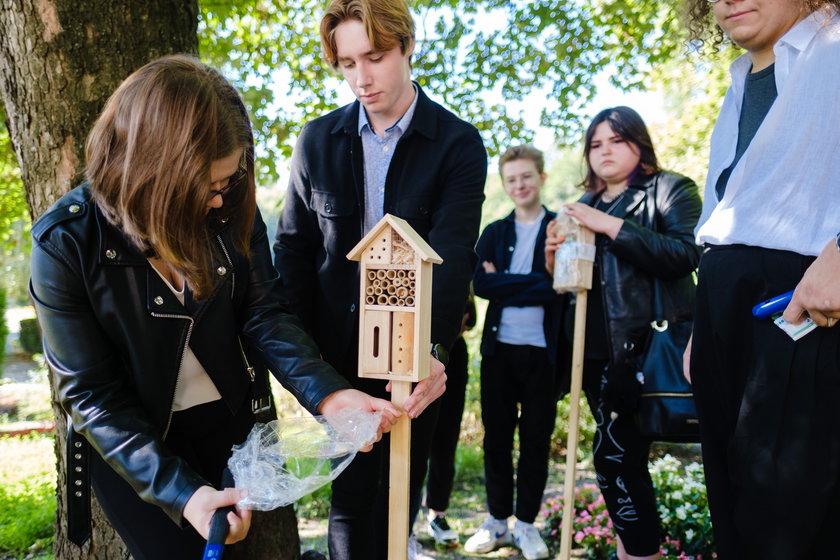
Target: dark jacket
(435, 182)
(114, 336)
(503, 289)
(648, 246)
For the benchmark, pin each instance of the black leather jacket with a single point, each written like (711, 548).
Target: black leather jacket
(643, 251)
(115, 334)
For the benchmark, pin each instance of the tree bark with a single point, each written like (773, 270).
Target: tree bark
(59, 62)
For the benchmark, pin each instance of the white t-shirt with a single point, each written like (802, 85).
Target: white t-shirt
(523, 325)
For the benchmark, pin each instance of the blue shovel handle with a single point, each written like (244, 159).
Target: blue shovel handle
(772, 306)
(219, 525)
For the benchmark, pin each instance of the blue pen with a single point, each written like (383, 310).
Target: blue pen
(772, 306)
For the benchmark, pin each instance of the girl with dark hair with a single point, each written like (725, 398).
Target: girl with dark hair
(158, 302)
(644, 219)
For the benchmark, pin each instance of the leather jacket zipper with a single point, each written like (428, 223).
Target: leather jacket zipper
(180, 364)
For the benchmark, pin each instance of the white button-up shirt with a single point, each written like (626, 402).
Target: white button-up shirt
(784, 193)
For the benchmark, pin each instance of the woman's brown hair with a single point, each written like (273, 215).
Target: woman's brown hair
(148, 164)
(703, 30)
(627, 124)
(388, 24)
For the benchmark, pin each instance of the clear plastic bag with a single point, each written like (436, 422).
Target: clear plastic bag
(282, 461)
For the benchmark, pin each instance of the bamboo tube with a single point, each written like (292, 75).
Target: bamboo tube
(401, 274)
(371, 274)
(378, 291)
(392, 291)
(392, 300)
(411, 275)
(391, 274)
(409, 301)
(369, 290)
(380, 274)
(370, 300)
(402, 292)
(382, 300)
(376, 282)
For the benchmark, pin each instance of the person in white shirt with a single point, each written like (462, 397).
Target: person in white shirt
(769, 225)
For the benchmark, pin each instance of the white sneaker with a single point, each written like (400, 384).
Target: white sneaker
(529, 541)
(440, 530)
(492, 534)
(415, 549)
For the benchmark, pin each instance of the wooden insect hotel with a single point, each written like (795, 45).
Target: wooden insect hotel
(574, 257)
(395, 301)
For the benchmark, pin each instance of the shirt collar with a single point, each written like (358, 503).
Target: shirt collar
(401, 124)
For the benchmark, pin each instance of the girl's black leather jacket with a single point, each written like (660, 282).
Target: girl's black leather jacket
(655, 242)
(114, 336)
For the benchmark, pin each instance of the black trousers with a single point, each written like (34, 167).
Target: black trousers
(448, 429)
(203, 436)
(768, 412)
(517, 389)
(621, 467)
(358, 524)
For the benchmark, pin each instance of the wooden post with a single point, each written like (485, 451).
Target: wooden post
(567, 529)
(399, 476)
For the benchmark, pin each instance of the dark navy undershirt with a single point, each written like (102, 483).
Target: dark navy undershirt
(759, 95)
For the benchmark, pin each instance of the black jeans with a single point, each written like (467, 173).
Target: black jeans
(358, 524)
(621, 466)
(768, 412)
(448, 429)
(203, 436)
(517, 389)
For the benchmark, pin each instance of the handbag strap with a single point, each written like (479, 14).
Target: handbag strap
(659, 322)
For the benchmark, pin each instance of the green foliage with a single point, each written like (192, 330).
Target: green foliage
(15, 242)
(315, 505)
(4, 328)
(481, 58)
(30, 336)
(681, 501)
(27, 496)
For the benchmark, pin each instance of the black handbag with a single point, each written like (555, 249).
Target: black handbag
(666, 407)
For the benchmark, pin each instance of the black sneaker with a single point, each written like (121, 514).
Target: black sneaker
(440, 530)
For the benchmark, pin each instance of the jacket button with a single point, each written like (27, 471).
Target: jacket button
(77, 456)
(221, 271)
(77, 482)
(110, 254)
(78, 444)
(74, 208)
(352, 308)
(495, 328)
(510, 248)
(78, 493)
(328, 208)
(628, 345)
(78, 469)
(158, 300)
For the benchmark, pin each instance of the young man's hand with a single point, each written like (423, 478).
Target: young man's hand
(426, 391)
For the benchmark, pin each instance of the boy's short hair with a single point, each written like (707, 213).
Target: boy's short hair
(388, 23)
(525, 151)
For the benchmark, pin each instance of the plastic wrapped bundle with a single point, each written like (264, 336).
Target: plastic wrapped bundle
(574, 257)
(282, 461)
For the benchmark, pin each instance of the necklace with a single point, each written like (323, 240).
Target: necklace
(612, 203)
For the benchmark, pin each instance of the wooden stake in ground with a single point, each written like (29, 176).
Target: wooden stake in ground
(573, 273)
(395, 310)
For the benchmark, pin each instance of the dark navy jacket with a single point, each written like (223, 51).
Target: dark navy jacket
(496, 245)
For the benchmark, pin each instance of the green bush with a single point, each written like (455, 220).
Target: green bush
(27, 516)
(683, 509)
(30, 336)
(4, 329)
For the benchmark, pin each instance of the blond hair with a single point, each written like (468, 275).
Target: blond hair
(526, 151)
(388, 24)
(148, 164)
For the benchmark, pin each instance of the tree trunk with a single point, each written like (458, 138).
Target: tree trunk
(59, 62)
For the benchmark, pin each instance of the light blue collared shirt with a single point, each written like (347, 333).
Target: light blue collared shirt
(784, 192)
(377, 154)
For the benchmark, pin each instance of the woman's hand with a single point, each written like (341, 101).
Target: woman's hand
(818, 293)
(552, 242)
(355, 399)
(427, 390)
(204, 503)
(595, 220)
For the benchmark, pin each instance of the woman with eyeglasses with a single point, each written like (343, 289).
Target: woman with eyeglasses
(771, 214)
(159, 307)
(644, 219)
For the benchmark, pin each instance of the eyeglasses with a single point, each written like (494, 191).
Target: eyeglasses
(712, 1)
(235, 180)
